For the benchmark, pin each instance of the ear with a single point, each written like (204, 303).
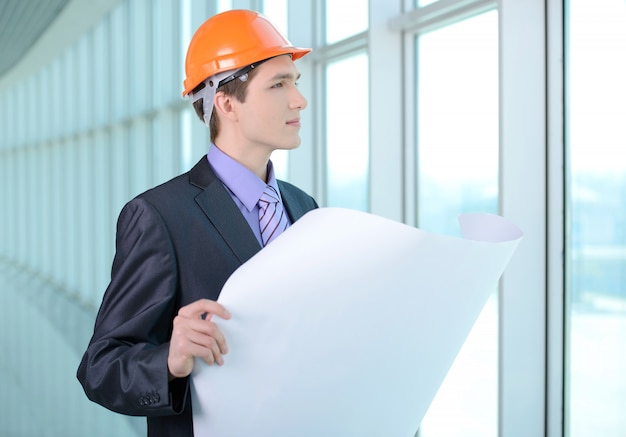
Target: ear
(224, 106)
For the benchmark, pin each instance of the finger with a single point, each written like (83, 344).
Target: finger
(195, 344)
(201, 332)
(184, 328)
(203, 306)
(211, 330)
(218, 358)
(205, 347)
(193, 349)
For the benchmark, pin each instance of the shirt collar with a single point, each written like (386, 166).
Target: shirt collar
(240, 180)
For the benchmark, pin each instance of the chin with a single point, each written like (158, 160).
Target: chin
(293, 145)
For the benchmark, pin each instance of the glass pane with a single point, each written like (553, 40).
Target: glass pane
(345, 18)
(347, 134)
(276, 11)
(457, 135)
(224, 5)
(596, 243)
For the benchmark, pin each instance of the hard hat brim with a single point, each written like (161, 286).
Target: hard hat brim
(230, 62)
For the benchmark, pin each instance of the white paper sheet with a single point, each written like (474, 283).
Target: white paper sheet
(353, 332)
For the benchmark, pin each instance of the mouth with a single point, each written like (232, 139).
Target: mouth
(294, 122)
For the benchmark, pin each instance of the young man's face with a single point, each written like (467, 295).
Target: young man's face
(270, 116)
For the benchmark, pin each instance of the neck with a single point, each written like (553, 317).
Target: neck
(251, 157)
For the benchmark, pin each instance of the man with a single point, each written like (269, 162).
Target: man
(178, 243)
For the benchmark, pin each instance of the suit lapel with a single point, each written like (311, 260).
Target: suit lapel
(220, 209)
(292, 202)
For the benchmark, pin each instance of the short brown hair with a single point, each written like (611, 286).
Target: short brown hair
(235, 88)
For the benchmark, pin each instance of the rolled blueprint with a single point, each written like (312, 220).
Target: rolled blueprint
(346, 325)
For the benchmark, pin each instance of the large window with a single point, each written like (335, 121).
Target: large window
(418, 110)
(345, 118)
(596, 243)
(344, 19)
(457, 134)
(347, 135)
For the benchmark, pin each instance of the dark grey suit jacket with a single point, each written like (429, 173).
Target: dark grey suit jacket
(175, 244)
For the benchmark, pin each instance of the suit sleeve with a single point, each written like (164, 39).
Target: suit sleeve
(125, 365)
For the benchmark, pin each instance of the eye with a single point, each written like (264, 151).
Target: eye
(278, 85)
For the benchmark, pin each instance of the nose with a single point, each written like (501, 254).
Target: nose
(298, 101)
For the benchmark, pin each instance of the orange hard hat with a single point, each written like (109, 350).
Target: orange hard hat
(230, 40)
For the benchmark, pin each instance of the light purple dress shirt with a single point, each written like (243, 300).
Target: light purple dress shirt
(244, 186)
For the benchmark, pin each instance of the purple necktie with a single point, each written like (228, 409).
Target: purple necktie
(272, 217)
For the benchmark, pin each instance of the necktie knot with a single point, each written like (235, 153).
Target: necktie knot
(272, 217)
(269, 196)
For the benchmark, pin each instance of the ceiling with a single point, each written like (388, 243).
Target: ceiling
(22, 22)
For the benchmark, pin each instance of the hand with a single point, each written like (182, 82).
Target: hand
(195, 335)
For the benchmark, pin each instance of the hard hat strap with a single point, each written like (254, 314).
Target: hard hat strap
(207, 94)
(212, 83)
(242, 73)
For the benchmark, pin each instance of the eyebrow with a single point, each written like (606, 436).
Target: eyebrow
(281, 76)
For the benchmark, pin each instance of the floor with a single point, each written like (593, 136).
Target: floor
(41, 338)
